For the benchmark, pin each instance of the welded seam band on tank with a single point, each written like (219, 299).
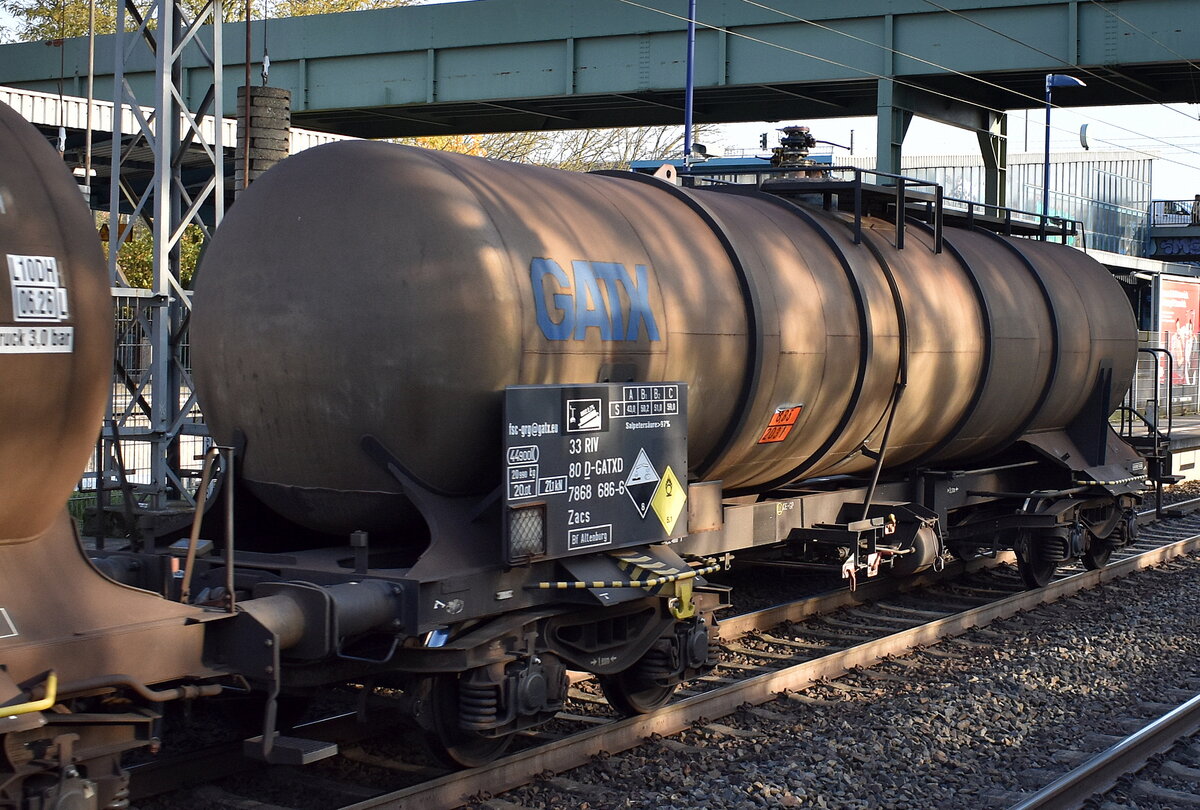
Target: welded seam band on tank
(901, 379)
(1055, 340)
(986, 370)
(866, 342)
(751, 301)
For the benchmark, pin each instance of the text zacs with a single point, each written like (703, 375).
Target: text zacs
(565, 311)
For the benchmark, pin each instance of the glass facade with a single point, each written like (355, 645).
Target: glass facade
(1109, 192)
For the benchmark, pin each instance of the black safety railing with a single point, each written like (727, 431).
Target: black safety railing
(908, 196)
(1151, 416)
(1047, 226)
(1175, 212)
(1154, 444)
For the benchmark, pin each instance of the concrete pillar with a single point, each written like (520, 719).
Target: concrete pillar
(270, 131)
(993, 145)
(891, 125)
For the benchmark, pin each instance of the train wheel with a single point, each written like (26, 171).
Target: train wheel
(1036, 573)
(445, 739)
(1128, 528)
(630, 693)
(1097, 554)
(1036, 569)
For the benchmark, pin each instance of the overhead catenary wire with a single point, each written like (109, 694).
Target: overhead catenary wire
(904, 83)
(1037, 100)
(1064, 62)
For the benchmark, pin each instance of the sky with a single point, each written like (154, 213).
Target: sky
(1169, 133)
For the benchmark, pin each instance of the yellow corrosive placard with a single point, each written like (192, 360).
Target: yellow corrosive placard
(668, 499)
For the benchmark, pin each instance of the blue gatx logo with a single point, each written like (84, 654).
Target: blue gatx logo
(566, 310)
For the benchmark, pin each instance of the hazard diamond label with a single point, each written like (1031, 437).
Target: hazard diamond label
(641, 482)
(669, 499)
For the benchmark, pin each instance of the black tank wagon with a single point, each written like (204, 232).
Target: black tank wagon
(495, 422)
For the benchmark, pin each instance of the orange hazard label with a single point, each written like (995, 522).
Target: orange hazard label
(781, 424)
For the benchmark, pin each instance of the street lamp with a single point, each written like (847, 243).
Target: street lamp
(1052, 80)
(690, 85)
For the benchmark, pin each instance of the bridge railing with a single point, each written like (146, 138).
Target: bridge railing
(1175, 212)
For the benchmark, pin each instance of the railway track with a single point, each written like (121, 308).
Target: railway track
(1125, 759)
(768, 652)
(1101, 772)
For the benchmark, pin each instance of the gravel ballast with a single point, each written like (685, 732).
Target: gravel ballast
(972, 722)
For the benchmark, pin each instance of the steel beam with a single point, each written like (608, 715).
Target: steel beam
(891, 126)
(161, 395)
(993, 145)
(494, 65)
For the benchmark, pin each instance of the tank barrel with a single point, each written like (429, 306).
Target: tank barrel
(449, 278)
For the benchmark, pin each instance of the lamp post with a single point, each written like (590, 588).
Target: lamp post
(1052, 80)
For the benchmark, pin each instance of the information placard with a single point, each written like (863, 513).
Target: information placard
(607, 462)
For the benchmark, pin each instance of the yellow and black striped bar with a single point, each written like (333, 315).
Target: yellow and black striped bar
(709, 567)
(1118, 482)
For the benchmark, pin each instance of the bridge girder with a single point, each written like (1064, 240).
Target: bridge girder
(505, 65)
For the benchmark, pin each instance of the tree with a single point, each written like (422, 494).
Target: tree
(136, 257)
(38, 20)
(463, 144)
(575, 150)
(301, 8)
(580, 150)
(47, 20)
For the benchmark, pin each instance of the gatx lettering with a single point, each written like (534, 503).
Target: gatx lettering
(602, 296)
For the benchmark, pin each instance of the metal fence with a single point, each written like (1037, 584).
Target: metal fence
(1109, 192)
(1175, 212)
(1150, 381)
(125, 445)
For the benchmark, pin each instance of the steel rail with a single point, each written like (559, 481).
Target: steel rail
(1102, 771)
(874, 589)
(871, 590)
(1148, 515)
(520, 768)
